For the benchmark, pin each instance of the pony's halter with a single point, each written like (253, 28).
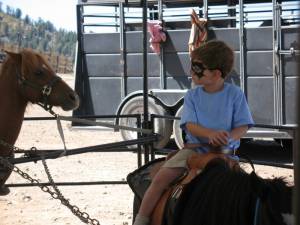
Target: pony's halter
(45, 90)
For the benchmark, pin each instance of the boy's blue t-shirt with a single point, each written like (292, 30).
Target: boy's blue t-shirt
(223, 110)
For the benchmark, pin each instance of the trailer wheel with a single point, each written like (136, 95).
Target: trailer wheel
(178, 133)
(136, 106)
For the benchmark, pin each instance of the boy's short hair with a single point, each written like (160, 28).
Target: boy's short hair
(215, 55)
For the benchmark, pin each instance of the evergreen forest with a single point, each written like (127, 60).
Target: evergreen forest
(21, 31)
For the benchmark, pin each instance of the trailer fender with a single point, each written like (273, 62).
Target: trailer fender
(178, 134)
(134, 104)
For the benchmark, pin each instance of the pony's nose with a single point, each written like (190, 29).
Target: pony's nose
(74, 98)
(70, 101)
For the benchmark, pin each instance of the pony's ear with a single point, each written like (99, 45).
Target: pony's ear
(258, 185)
(16, 57)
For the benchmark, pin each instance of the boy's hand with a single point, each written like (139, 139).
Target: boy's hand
(218, 138)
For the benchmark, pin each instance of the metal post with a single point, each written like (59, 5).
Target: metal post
(139, 150)
(205, 9)
(276, 63)
(242, 48)
(162, 72)
(123, 51)
(145, 76)
(152, 152)
(116, 18)
(296, 157)
(231, 12)
(81, 76)
(279, 64)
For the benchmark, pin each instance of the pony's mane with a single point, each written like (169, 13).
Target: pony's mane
(5, 66)
(31, 59)
(221, 195)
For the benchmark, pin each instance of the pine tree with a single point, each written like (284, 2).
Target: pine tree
(18, 13)
(27, 20)
(39, 35)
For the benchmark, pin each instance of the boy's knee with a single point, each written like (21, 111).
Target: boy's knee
(166, 176)
(160, 182)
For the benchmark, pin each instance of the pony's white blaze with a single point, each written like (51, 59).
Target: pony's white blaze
(288, 218)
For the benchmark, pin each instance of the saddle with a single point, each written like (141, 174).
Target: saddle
(140, 179)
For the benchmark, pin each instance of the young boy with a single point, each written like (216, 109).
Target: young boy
(215, 115)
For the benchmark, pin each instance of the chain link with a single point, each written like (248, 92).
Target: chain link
(83, 216)
(56, 194)
(32, 152)
(11, 147)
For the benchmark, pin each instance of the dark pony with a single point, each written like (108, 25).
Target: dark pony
(222, 196)
(26, 77)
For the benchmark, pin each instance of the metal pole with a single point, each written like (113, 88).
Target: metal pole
(296, 157)
(163, 83)
(276, 62)
(145, 76)
(231, 13)
(205, 9)
(80, 183)
(97, 148)
(242, 48)
(145, 67)
(81, 77)
(123, 51)
(139, 146)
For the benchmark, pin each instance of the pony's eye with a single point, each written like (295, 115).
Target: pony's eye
(39, 72)
(44, 70)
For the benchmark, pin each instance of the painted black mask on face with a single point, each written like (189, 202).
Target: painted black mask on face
(198, 69)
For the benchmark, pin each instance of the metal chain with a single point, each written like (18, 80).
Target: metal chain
(32, 152)
(56, 194)
(83, 216)
(11, 147)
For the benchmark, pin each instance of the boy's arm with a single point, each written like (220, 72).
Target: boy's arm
(238, 132)
(215, 137)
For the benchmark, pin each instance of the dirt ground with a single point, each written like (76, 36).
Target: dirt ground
(109, 204)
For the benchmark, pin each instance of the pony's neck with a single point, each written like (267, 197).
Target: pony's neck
(11, 111)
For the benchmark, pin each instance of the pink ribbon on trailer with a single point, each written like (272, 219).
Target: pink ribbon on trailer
(157, 35)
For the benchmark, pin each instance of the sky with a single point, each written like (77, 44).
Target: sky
(61, 13)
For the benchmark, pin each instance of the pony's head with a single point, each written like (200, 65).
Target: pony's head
(37, 82)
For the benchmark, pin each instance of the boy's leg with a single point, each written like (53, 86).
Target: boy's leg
(172, 169)
(160, 182)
